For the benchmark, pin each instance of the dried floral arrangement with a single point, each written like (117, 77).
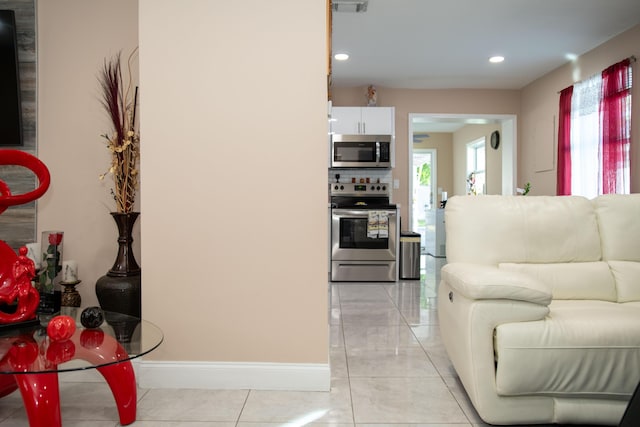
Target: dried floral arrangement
(119, 100)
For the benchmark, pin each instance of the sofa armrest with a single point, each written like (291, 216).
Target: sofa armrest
(477, 281)
(473, 300)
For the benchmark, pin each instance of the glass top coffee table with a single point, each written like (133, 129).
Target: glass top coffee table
(30, 361)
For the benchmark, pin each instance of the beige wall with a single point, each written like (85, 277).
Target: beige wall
(232, 270)
(74, 37)
(538, 122)
(406, 101)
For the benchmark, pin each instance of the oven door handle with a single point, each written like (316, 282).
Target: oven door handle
(359, 213)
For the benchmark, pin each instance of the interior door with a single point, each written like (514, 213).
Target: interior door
(423, 198)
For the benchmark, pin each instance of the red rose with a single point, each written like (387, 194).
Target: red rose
(55, 238)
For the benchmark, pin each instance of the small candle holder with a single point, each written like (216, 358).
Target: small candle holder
(70, 296)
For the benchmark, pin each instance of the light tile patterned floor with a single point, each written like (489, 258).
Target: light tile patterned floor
(388, 367)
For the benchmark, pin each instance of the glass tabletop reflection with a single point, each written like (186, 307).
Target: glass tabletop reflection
(30, 351)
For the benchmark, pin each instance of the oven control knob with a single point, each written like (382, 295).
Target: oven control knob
(373, 187)
(378, 188)
(335, 187)
(384, 188)
(342, 187)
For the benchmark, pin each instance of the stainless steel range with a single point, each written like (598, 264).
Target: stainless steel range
(364, 233)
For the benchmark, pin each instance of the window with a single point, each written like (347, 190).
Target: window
(594, 134)
(476, 165)
(585, 129)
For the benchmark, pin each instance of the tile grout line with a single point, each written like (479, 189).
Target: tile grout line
(244, 404)
(440, 374)
(346, 358)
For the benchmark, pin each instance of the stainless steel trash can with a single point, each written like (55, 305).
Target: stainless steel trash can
(409, 255)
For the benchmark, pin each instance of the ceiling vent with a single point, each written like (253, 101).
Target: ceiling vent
(351, 6)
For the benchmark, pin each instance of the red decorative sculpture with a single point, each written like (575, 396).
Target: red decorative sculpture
(17, 271)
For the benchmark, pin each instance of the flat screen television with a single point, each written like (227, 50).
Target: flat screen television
(10, 108)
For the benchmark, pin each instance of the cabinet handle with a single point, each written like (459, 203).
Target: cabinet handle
(359, 127)
(364, 127)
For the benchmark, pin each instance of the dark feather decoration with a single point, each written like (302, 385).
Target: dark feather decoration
(124, 141)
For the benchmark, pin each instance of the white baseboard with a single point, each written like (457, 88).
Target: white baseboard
(91, 375)
(220, 376)
(234, 376)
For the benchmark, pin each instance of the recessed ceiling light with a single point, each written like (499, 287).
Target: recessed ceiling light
(496, 59)
(341, 56)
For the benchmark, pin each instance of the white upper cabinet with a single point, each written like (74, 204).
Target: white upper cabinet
(378, 120)
(363, 120)
(346, 120)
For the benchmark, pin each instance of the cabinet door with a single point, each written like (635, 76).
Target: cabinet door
(378, 120)
(346, 120)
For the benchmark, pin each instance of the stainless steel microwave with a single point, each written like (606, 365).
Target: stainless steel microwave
(361, 151)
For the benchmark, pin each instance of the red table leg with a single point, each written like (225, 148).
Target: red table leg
(7, 385)
(94, 346)
(40, 392)
(41, 398)
(122, 381)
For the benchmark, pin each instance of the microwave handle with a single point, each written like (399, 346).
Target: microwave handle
(377, 151)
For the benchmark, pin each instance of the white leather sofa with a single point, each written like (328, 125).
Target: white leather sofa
(539, 306)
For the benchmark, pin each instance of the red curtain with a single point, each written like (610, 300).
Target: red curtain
(563, 185)
(614, 107)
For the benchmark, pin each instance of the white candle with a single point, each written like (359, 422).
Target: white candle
(70, 271)
(33, 253)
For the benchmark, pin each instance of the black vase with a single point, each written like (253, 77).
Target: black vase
(119, 291)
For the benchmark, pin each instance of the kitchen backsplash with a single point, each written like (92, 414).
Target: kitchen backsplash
(346, 175)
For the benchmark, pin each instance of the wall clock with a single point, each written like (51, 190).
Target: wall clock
(495, 139)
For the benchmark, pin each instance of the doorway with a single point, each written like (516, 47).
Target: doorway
(429, 126)
(424, 181)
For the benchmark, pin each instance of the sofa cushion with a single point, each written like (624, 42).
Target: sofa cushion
(572, 280)
(627, 275)
(537, 229)
(618, 218)
(581, 348)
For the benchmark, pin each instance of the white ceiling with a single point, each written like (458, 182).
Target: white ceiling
(446, 44)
